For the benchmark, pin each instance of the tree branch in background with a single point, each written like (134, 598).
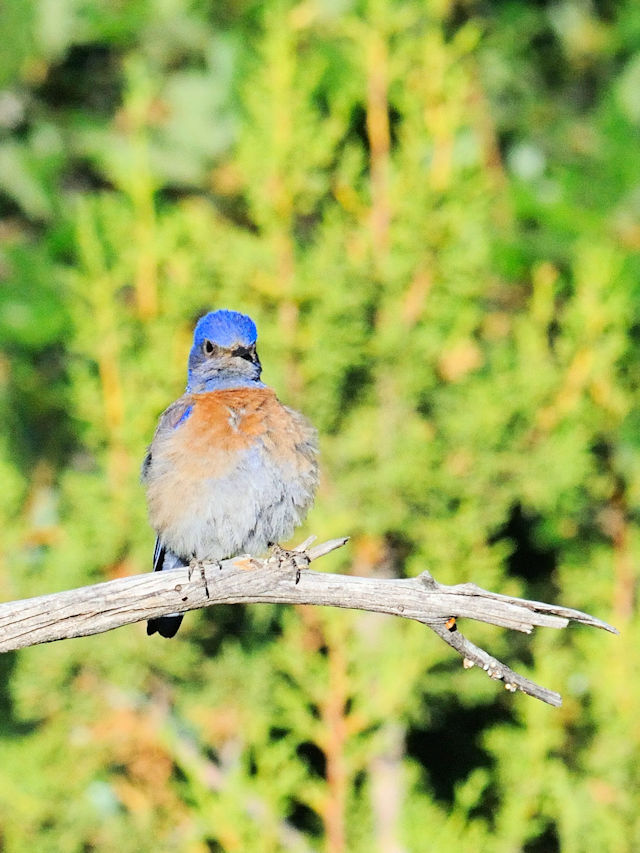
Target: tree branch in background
(248, 580)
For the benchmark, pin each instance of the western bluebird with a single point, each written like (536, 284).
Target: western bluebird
(230, 470)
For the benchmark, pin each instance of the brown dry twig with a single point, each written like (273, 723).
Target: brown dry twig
(248, 580)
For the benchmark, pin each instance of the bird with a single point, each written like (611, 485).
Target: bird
(230, 469)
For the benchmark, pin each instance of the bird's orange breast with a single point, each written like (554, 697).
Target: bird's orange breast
(221, 426)
(222, 461)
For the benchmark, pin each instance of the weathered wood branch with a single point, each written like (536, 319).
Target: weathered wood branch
(248, 580)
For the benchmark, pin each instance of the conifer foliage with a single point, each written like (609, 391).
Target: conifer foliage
(431, 210)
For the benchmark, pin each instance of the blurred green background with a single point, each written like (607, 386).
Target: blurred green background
(432, 211)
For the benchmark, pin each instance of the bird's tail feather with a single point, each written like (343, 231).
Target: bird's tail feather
(166, 626)
(165, 560)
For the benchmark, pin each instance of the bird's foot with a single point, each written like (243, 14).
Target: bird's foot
(200, 565)
(193, 565)
(298, 560)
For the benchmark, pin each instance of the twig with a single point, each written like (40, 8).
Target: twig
(104, 606)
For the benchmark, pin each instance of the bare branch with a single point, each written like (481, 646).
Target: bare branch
(248, 580)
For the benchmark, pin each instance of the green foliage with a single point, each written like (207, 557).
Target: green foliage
(432, 213)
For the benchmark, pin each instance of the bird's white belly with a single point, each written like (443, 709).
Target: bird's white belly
(254, 504)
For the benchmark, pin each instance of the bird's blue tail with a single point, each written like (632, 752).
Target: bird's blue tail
(166, 626)
(163, 560)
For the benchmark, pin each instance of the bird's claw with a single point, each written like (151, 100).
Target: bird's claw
(199, 564)
(193, 563)
(296, 559)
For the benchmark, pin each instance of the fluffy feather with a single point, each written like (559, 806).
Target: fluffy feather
(230, 469)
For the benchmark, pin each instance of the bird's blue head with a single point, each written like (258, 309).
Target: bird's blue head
(223, 354)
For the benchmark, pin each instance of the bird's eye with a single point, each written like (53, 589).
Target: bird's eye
(208, 347)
